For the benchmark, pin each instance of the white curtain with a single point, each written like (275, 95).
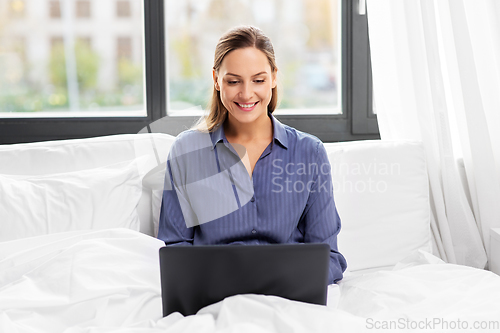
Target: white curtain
(436, 79)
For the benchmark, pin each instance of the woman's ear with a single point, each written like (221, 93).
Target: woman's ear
(216, 83)
(275, 77)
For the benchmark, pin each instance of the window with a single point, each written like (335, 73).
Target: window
(306, 35)
(54, 9)
(123, 8)
(83, 9)
(322, 53)
(69, 68)
(78, 78)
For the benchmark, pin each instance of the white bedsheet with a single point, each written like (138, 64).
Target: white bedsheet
(108, 281)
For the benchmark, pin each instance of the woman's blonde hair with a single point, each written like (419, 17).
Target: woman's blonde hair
(237, 38)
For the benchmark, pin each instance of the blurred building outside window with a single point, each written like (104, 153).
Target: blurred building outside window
(17, 8)
(55, 9)
(306, 35)
(92, 67)
(123, 8)
(96, 66)
(82, 8)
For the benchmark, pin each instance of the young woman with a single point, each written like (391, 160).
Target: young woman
(241, 176)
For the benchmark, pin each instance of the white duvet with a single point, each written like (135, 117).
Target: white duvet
(108, 281)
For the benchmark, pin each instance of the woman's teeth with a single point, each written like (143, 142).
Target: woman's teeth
(246, 106)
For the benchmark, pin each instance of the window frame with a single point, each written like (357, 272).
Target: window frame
(356, 123)
(364, 121)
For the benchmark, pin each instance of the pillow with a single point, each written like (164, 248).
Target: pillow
(382, 196)
(63, 156)
(100, 198)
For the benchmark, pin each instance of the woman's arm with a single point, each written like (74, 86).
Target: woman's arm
(175, 209)
(320, 218)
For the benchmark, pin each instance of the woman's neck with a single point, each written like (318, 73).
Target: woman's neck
(261, 128)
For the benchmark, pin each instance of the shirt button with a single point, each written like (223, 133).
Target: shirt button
(253, 199)
(254, 231)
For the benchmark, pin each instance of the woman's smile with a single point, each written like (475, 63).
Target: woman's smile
(246, 106)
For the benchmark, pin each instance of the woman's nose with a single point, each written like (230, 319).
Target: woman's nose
(246, 91)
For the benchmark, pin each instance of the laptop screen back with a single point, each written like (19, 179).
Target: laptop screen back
(193, 277)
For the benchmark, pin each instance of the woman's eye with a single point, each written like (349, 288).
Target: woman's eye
(232, 82)
(259, 81)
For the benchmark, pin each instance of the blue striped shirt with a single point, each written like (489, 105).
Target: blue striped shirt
(209, 197)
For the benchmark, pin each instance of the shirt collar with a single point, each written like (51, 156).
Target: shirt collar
(218, 136)
(279, 133)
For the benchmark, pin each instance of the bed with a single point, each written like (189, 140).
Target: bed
(78, 251)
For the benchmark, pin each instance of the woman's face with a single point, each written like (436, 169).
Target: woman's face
(245, 82)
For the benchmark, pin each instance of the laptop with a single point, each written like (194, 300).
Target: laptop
(193, 277)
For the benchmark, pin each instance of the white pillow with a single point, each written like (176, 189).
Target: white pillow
(64, 156)
(100, 198)
(382, 196)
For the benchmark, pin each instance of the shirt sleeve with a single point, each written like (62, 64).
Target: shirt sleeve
(321, 219)
(175, 209)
